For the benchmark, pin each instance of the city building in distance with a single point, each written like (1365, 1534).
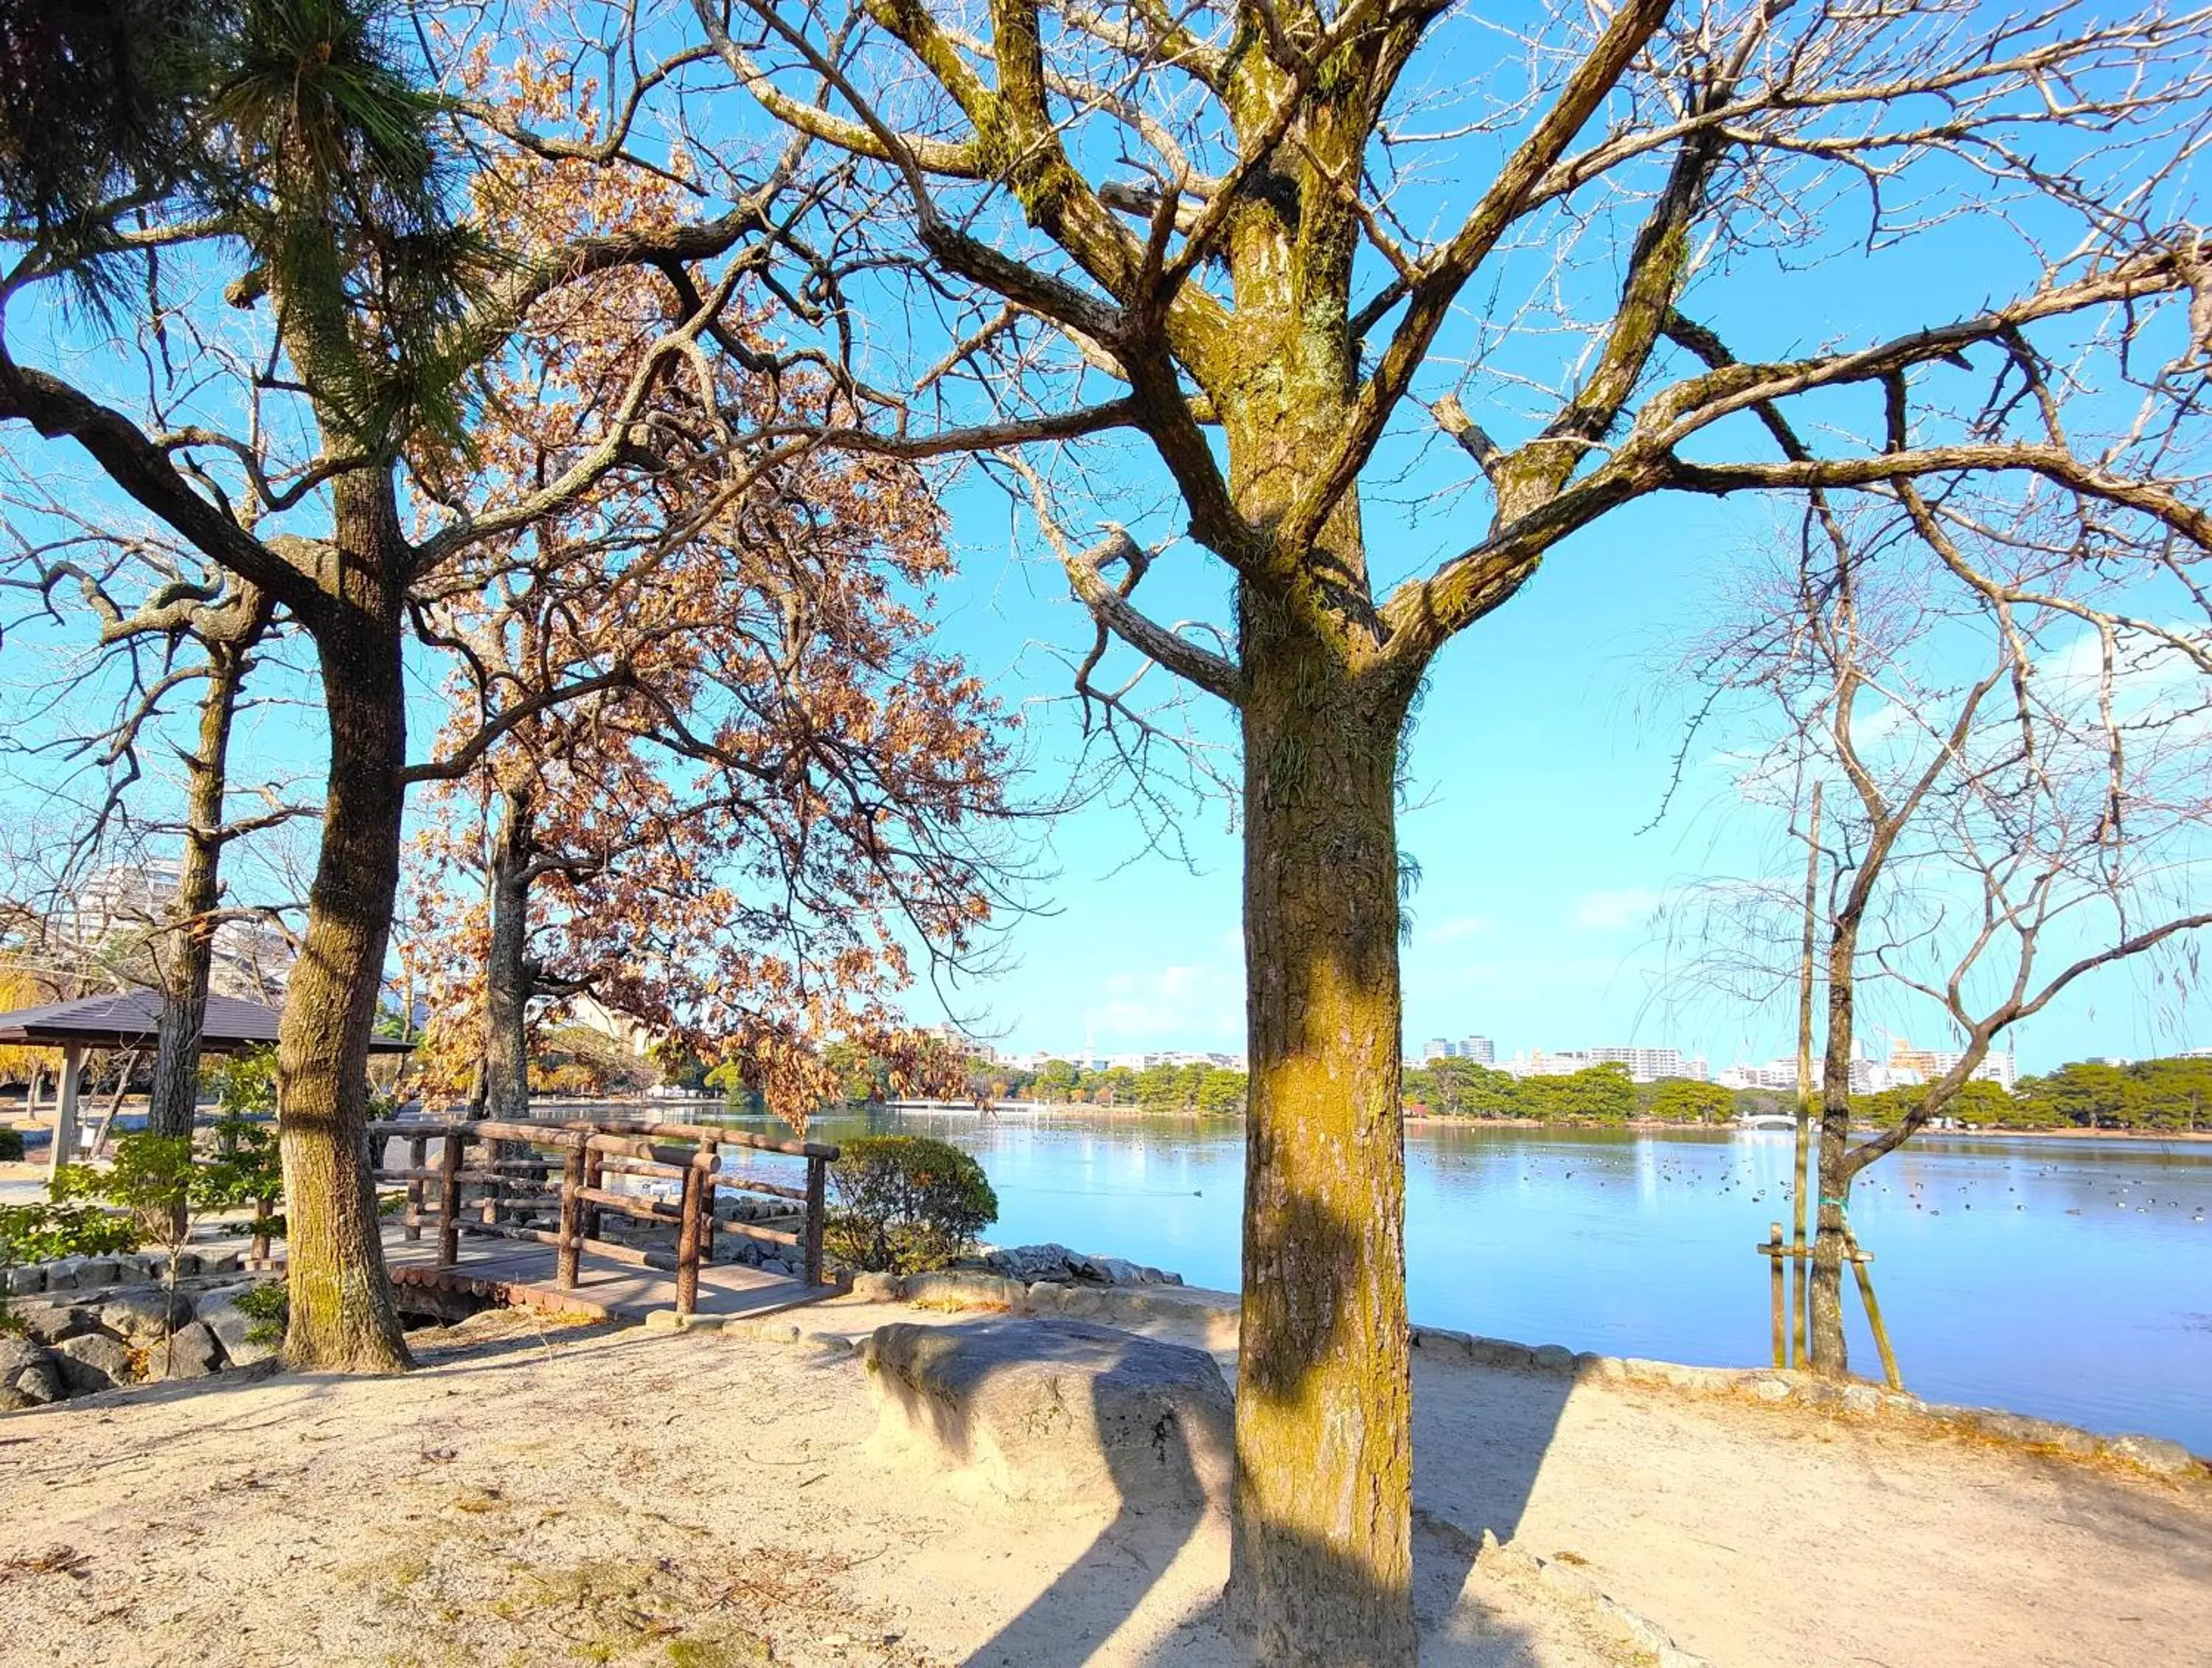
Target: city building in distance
(1644, 1065)
(1480, 1049)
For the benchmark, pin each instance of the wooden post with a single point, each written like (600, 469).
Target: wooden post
(1774, 1256)
(257, 1248)
(1802, 1152)
(595, 1179)
(816, 1177)
(449, 1193)
(1859, 1261)
(572, 1215)
(688, 1235)
(417, 1154)
(65, 1139)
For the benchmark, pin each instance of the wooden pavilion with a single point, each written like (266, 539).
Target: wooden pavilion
(132, 1020)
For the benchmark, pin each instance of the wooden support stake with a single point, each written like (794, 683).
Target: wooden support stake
(1775, 1252)
(449, 1195)
(1859, 1261)
(817, 1180)
(572, 1217)
(594, 1178)
(418, 1153)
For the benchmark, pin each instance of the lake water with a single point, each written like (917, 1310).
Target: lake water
(2068, 1278)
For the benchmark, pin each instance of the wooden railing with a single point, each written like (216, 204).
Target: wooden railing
(523, 1169)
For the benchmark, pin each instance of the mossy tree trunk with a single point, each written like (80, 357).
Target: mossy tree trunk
(1321, 1565)
(341, 1317)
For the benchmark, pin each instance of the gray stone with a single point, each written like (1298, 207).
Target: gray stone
(25, 1281)
(94, 1362)
(29, 1376)
(1566, 1579)
(1861, 1398)
(1032, 1264)
(62, 1272)
(1056, 1408)
(1047, 1296)
(1498, 1352)
(50, 1323)
(958, 1289)
(1771, 1390)
(874, 1287)
(189, 1262)
(193, 1352)
(144, 1314)
(1552, 1358)
(225, 1263)
(97, 1271)
(220, 1314)
(2155, 1454)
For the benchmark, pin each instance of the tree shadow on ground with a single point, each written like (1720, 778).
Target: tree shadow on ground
(1461, 1488)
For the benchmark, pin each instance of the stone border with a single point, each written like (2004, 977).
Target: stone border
(73, 1274)
(1216, 1314)
(1564, 1580)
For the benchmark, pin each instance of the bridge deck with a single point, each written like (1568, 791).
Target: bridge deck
(523, 1274)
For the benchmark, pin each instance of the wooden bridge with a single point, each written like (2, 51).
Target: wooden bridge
(520, 1210)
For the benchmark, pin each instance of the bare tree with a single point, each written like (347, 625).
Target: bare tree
(1281, 247)
(2016, 797)
(312, 446)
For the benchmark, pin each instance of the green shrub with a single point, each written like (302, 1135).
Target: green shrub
(41, 1233)
(903, 1203)
(11, 1146)
(269, 1307)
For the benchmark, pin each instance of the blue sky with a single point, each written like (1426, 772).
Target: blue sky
(1543, 752)
(1545, 740)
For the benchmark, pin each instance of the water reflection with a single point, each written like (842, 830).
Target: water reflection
(2067, 1278)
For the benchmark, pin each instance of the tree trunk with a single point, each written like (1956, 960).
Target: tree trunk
(343, 1316)
(507, 968)
(1831, 1355)
(1321, 1561)
(174, 1102)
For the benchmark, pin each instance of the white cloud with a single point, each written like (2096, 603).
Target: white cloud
(1613, 910)
(1184, 1004)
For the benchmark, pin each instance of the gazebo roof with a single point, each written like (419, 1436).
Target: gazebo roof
(132, 1019)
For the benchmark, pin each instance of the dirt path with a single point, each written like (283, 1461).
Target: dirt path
(636, 1497)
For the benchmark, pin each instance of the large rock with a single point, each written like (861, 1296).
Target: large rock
(144, 1314)
(193, 1353)
(50, 1323)
(1057, 1409)
(29, 1376)
(94, 1362)
(1056, 1263)
(24, 1280)
(220, 1314)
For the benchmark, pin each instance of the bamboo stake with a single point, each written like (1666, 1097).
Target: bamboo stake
(1799, 1355)
(1774, 1255)
(1859, 1262)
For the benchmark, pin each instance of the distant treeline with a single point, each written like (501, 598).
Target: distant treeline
(1599, 1094)
(2150, 1094)
(1210, 1091)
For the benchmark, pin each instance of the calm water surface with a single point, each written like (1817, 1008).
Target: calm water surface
(2068, 1278)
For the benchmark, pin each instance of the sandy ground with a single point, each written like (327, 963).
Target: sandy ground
(593, 1495)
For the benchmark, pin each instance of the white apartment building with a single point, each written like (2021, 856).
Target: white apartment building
(252, 960)
(1648, 1065)
(1928, 1063)
(1480, 1049)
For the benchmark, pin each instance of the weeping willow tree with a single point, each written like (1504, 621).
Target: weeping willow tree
(292, 147)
